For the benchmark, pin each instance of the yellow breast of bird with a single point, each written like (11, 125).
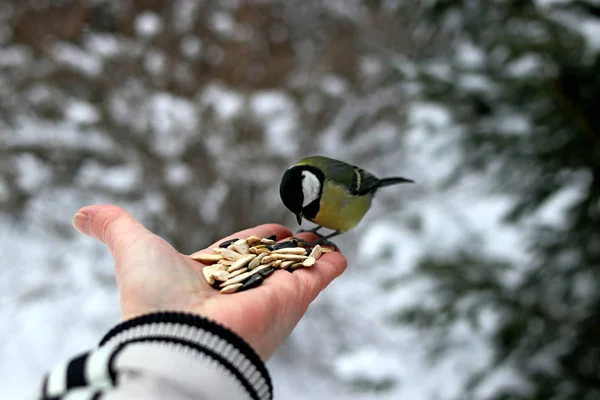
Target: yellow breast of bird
(340, 211)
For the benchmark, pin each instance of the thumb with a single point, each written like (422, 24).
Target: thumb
(110, 224)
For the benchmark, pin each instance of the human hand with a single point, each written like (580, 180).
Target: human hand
(152, 276)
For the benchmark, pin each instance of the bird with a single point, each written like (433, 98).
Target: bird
(330, 193)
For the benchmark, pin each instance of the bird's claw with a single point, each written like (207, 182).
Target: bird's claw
(322, 241)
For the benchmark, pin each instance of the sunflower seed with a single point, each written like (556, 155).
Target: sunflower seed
(220, 275)
(256, 262)
(288, 257)
(207, 272)
(316, 252)
(291, 250)
(237, 279)
(258, 269)
(242, 262)
(252, 282)
(241, 246)
(268, 259)
(237, 272)
(252, 240)
(231, 255)
(287, 264)
(231, 288)
(227, 243)
(285, 245)
(225, 262)
(259, 250)
(309, 262)
(295, 266)
(267, 241)
(206, 257)
(277, 263)
(267, 271)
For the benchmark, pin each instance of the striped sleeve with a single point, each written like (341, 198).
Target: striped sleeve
(163, 355)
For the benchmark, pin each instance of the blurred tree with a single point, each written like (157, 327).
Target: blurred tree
(521, 82)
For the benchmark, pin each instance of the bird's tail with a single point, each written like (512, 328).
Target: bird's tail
(393, 181)
(385, 182)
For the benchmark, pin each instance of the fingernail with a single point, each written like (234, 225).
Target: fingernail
(80, 222)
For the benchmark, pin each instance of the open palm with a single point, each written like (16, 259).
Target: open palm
(153, 276)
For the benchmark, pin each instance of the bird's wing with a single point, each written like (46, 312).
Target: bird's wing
(361, 181)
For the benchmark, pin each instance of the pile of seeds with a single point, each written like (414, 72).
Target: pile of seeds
(241, 264)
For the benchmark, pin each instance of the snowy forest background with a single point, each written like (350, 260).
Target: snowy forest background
(479, 282)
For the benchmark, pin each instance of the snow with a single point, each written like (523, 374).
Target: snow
(148, 24)
(333, 85)
(73, 57)
(32, 173)
(178, 174)
(278, 114)
(155, 61)
(174, 121)
(81, 112)
(469, 56)
(191, 46)
(14, 56)
(103, 45)
(116, 179)
(227, 103)
(379, 368)
(222, 23)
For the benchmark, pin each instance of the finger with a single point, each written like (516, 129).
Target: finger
(262, 231)
(111, 225)
(315, 279)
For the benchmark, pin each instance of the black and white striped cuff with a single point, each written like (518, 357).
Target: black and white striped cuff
(184, 333)
(201, 335)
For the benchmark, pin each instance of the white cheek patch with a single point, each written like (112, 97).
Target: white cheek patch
(311, 186)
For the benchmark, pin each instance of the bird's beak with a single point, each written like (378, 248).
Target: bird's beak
(299, 218)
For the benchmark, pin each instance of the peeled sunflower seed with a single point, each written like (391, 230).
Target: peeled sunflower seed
(267, 241)
(291, 250)
(231, 255)
(241, 262)
(277, 263)
(252, 240)
(316, 252)
(257, 260)
(241, 246)
(220, 275)
(225, 262)
(238, 272)
(231, 288)
(237, 279)
(259, 250)
(309, 262)
(288, 257)
(287, 264)
(206, 258)
(207, 272)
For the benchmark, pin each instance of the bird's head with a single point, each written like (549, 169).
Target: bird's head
(300, 190)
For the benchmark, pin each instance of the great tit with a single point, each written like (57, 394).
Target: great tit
(330, 193)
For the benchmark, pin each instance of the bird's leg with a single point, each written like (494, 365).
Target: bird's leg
(322, 240)
(313, 230)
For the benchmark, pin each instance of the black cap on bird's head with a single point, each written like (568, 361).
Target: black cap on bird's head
(300, 190)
